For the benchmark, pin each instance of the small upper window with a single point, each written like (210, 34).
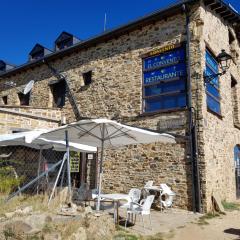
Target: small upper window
(65, 40)
(87, 78)
(38, 52)
(58, 92)
(2, 67)
(231, 37)
(24, 99)
(37, 55)
(5, 100)
(64, 44)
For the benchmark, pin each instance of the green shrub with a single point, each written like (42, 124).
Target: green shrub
(8, 180)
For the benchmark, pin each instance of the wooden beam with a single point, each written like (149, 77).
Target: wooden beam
(221, 9)
(208, 2)
(215, 6)
(233, 19)
(229, 16)
(225, 14)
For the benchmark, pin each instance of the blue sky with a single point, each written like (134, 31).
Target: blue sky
(27, 22)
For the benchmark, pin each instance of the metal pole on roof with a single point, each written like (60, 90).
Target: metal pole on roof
(105, 22)
(68, 165)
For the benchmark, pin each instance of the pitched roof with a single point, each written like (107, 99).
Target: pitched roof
(62, 36)
(38, 47)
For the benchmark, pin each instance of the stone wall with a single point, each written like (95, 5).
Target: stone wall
(16, 118)
(218, 133)
(116, 92)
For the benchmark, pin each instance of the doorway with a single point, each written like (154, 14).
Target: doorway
(237, 169)
(84, 169)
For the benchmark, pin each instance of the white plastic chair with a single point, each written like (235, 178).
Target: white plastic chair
(134, 197)
(168, 195)
(149, 184)
(141, 209)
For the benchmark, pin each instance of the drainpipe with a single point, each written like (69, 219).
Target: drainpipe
(69, 93)
(196, 198)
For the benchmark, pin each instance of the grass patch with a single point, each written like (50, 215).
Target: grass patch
(47, 228)
(38, 202)
(158, 236)
(230, 206)
(125, 236)
(130, 236)
(9, 233)
(203, 219)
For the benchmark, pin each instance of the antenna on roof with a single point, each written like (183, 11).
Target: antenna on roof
(105, 22)
(28, 87)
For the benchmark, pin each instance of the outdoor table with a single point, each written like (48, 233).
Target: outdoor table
(158, 189)
(116, 198)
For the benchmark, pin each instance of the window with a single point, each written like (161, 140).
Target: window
(234, 101)
(212, 88)
(65, 43)
(24, 99)
(237, 169)
(87, 78)
(230, 37)
(58, 92)
(2, 67)
(164, 81)
(5, 100)
(37, 55)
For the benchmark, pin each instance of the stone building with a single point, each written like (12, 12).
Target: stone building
(148, 73)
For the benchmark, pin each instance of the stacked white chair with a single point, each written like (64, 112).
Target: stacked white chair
(134, 197)
(167, 194)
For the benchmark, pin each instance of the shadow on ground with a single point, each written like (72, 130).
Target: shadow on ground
(233, 231)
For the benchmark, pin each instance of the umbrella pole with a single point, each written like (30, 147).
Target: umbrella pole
(39, 166)
(68, 165)
(100, 169)
(55, 184)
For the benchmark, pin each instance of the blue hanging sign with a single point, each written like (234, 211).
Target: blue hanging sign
(165, 59)
(164, 74)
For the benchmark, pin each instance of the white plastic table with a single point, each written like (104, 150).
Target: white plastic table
(158, 189)
(116, 198)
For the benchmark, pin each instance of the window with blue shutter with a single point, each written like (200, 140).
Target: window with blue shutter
(164, 81)
(212, 88)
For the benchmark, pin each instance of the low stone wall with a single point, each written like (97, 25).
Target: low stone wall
(13, 118)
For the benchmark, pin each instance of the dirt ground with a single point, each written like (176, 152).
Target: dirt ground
(183, 225)
(30, 219)
(218, 228)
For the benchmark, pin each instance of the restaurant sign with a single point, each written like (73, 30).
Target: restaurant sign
(74, 164)
(165, 66)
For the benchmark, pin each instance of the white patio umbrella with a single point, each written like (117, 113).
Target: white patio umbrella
(29, 139)
(104, 133)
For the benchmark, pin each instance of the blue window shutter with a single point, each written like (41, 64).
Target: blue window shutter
(212, 88)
